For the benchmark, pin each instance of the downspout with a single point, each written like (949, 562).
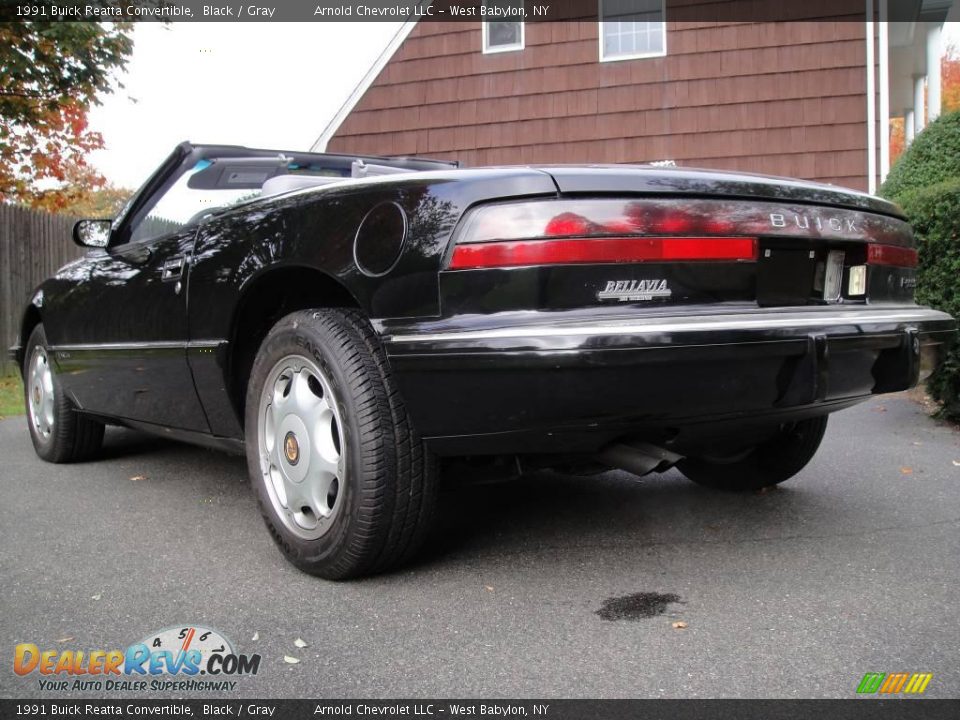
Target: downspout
(871, 106)
(919, 104)
(884, 92)
(933, 72)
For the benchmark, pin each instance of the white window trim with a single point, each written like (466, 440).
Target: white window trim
(487, 50)
(635, 56)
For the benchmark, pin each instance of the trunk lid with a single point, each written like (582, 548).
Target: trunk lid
(654, 237)
(639, 179)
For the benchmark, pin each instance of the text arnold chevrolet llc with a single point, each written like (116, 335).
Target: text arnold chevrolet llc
(451, 709)
(467, 10)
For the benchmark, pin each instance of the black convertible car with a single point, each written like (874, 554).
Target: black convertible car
(348, 322)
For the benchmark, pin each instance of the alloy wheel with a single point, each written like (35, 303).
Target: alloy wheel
(301, 451)
(40, 393)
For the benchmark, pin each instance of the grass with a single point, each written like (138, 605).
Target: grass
(11, 395)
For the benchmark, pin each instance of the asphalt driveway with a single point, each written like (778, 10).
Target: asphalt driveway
(853, 566)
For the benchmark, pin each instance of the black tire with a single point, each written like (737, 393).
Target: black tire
(66, 435)
(383, 508)
(769, 463)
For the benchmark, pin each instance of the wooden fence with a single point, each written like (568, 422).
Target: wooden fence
(33, 245)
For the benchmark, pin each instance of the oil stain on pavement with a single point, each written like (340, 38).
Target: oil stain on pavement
(636, 606)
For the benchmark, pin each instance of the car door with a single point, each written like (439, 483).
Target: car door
(117, 319)
(122, 349)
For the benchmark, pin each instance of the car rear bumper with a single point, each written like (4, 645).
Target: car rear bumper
(574, 380)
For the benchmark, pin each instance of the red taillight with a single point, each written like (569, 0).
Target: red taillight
(555, 232)
(566, 224)
(891, 255)
(719, 226)
(601, 250)
(672, 222)
(646, 229)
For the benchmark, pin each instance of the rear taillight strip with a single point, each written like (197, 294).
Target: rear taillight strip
(689, 217)
(602, 250)
(891, 255)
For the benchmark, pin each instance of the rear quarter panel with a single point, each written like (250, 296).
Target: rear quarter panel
(316, 229)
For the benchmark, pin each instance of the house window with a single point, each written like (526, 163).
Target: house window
(502, 36)
(632, 29)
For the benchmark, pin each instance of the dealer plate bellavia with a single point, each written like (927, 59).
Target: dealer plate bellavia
(348, 322)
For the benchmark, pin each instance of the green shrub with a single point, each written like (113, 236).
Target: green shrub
(935, 214)
(933, 157)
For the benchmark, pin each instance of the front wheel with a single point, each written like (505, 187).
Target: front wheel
(59, 433)
(769, 463)
(345, 485)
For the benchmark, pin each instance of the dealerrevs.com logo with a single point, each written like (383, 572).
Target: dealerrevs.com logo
(894, 683)
(184, 658)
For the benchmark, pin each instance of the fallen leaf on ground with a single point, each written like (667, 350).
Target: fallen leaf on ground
(957, 463)
(679, 625)
(138, 478)
(65, 639)
(97, 596)
(299, 643)
(290, 660)
(906, 471)
(256, 636)
(488, 588)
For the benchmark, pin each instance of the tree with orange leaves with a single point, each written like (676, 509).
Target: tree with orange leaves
(83, 193)
(897, 138)
(950, 79)
(949, 98)
(51, 73)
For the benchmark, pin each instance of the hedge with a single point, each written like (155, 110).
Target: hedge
(932, 158)
(934, 212)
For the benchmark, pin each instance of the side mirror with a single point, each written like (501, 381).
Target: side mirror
(92, 233)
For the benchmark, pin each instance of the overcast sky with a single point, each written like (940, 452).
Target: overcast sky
(273, 85)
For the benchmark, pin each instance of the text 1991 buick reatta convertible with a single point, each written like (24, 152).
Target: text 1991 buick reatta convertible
(347, 321)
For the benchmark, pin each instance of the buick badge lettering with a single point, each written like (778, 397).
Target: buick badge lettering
(806, 222)
(634, 290)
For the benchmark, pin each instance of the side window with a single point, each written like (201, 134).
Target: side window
(502, 37)
(632, 29)
(182, 205)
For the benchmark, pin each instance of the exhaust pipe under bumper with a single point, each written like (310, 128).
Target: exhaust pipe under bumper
(638, 458)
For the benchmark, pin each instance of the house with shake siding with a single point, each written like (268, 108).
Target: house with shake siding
(806, 99)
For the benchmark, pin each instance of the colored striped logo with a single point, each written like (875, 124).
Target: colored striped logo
(893, 683)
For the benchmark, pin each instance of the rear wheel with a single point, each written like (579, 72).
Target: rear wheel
(769, 463)
(345, 485)
(59, 433)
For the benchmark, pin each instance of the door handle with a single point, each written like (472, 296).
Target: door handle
(132, 256)
(172, 269)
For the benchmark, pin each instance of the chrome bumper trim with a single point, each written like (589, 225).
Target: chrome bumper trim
(674, 324)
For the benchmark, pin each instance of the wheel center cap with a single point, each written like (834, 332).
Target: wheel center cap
(291, 448)
(36, 394)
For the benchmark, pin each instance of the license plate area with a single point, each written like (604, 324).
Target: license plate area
(808, 274)
(785, 276)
